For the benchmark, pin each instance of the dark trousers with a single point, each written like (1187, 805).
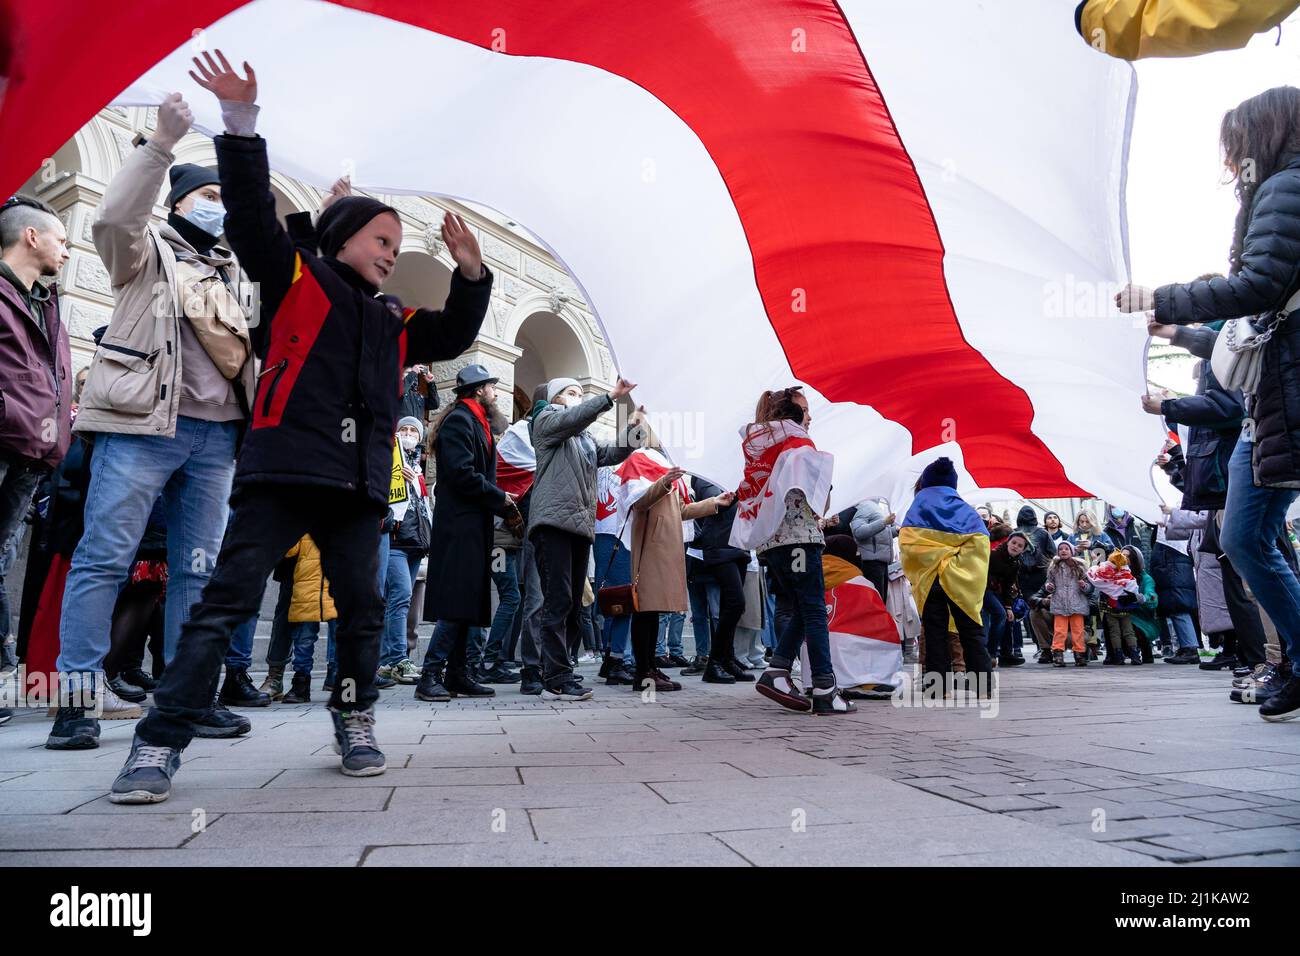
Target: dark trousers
(645, 634)
(562, 566)
(449, 647)
(267, 521)
(877, 572)
(801, 602)
(281, 647)
(934, 621)
(730, 578)
(1245, 616)
(137, 619)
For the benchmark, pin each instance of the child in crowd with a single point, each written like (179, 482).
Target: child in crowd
(310, 605)
(1069, 587)
(1119, 591)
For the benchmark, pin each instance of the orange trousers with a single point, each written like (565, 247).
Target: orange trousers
(1071, 623)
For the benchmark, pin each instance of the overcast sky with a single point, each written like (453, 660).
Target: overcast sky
(1180, 214)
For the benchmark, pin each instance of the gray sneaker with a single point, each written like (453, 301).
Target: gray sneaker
(354, 738)
(147, 775)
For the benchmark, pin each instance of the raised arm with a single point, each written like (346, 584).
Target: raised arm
(556, 423)
(120, 231)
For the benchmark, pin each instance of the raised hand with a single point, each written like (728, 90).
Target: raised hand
(623, 387)
(221, 80)
(463, 246)
(174, 121)
(1135, 298)
(342, 187)
(725, 499)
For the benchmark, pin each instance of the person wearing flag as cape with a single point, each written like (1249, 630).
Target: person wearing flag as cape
(318, 456)
(784, 471)
(945, 552)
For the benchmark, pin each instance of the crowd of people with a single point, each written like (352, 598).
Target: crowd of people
(257, 408)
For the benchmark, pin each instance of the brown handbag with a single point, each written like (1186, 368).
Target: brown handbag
(620, 600)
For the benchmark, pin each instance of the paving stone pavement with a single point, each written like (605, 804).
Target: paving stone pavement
(1147, 766)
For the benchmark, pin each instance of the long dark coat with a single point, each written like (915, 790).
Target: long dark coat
(465, 498)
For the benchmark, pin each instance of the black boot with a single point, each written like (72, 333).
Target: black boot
(460, 681)
(238, 690)
(530, 681)
(140, 679)
(732, 667)
(430, 685)
(619, 673)
(300, 691)
(606, 663)
(715, 673)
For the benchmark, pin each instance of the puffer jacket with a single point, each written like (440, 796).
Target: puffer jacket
(311, 592)
(1269, 273)
(874, 538)
(1133, 29)
(1064, 576)
(1213, 416)
(1174, 578)
(564, 486)
(134, 385)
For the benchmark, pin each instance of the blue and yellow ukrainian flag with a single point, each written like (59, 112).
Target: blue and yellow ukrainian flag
(943, 537)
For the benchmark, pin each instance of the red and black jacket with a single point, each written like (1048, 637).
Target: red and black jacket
(332, 347)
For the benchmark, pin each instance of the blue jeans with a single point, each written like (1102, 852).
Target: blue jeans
(618, 630)
(506, 579)
(704, 598)
(769, 618)
(796, 571)
(304, 636)
(402, 568)
(193, 473)
(671, 624)
(995, 622)
(240, 654)
(1184, 632)
(1253, 520)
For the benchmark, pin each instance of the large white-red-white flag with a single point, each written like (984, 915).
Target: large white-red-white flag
(516, 460)
(913, 208)
(866, 646)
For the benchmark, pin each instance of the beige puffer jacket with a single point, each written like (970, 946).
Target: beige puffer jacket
(134, 384)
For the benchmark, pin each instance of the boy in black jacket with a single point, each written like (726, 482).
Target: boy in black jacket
(318, 455)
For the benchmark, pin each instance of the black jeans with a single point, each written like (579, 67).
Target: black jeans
(934, 621)
(137, 620)
(730, 578)
(562, 566)
(267, 521)
(1245, 616)
(877, 572)
(449, 647)
(280, 649)
(645, 634)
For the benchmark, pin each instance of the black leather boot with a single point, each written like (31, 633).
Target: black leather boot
(238, 690)
(461, 683)
(430, 686)
(715, 673)
(300, 691)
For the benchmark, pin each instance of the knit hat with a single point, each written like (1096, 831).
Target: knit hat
(411, 420)
(344, 218)
(1063, 542)
(556, 385)
(1119, 559)
(187, 177)
(939, 472)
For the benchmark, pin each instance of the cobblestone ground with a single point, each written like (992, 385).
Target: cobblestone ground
(1106, 766)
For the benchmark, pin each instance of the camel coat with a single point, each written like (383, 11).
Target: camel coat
(658, 549)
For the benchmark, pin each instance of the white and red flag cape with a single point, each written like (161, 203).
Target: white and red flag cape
(516, 460)
(915, 209)
(866, 645)
(637, 472)
(779, 457)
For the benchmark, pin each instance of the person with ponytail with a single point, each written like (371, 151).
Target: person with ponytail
(1260, 140)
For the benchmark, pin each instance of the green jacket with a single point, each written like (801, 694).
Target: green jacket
(1144, 615)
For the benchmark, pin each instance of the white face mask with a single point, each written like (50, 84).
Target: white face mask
(408, 442)
(208, 215)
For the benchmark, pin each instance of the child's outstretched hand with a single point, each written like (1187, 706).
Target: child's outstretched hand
(463, 246)
(223, 82)
(1049, 587)
(1083, 584)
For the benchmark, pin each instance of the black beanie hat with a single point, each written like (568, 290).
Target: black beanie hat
(187, 177)
(939, 472)
(343, 218)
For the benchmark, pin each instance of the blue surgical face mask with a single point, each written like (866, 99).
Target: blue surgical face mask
(1118, 513)
(208, 215)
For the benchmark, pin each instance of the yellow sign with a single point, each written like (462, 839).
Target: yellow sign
(397, 492)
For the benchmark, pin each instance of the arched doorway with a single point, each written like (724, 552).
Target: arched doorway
(551, 350)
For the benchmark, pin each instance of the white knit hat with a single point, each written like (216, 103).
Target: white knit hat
(556, 385)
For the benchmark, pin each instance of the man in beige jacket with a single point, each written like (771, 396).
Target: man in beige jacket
(166, 419)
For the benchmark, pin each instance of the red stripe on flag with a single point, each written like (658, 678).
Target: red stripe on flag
(511, 478)
(857, 609)
(735, 74)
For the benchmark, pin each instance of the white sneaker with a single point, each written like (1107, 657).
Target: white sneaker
(115, 708)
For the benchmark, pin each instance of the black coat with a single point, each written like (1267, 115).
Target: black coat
(1213, 416)
(1269, 273)
(332, 347)
(1035, 558)
(465, 495)
(713, 532)
(1175, 579)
